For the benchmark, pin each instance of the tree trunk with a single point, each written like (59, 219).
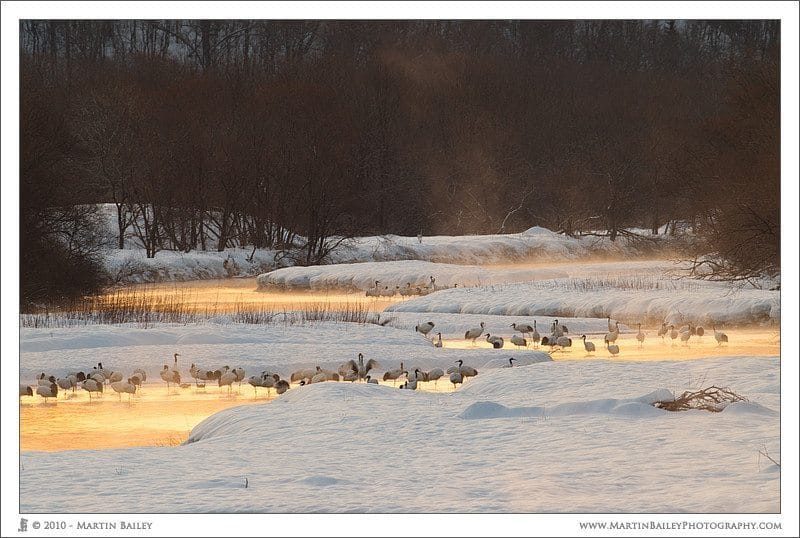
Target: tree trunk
(121, 226)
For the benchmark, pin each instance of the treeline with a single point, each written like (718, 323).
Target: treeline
(285, 134)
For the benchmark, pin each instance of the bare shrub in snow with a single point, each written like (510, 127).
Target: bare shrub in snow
(713, 399)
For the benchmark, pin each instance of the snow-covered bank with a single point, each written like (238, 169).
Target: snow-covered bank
(279, 347)
(338, 447)
(535, 244)
(130, 265)
(395, 276)
(647, 301)
(398, 275)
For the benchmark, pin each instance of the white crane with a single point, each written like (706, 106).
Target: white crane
(374, 292)
(474, 333)
(434, 375)
(126, 387)
(305, 373)
(256, 381)
(588, 346)
(138, 378)
(47, 391)
(43, 381)
(438, 343)
(170, 376)
(386, 292)
(411, 382)
(662, 332)
(456, 378)
(523, 328)
(612, 336)
(269, 380)
(673, 333)
(228, 378)
(319, 377)
(496, 341)
(329, 374)
(239, 373)
(685, 335)
(105, 371)
(350, 376)
(559, 329)
(535, 337)
(640, 336)
(466, 371)
(518, 341)
(66, 383)
(361, 368)
(96, 376)
(393, 375)
(92, 385)
(281, 386)
(115, 377)
(719, 337)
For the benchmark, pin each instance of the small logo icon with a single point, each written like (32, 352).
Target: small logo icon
(23, 525)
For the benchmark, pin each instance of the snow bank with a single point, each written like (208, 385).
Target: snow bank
(279, 347)
(653, 302)
(397, 274)
(640, 407)
(534, 244)
(133, 266)
(130, 265)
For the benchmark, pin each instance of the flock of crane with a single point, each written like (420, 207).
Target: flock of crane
(97, 378)
(557, 339)
(94, 380)
(407, 290)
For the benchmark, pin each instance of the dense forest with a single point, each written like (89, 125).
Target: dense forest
(283, 134)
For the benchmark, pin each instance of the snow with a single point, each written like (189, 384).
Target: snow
(650, 301)
(280, 347)
(557, 432)
(130, 264)
(362, 276)
(548, 436)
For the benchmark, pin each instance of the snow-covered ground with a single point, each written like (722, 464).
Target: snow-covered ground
(642, 300)
(398, 275)
(559, 432)
(552, 436)
(647, 292)
(130, 265)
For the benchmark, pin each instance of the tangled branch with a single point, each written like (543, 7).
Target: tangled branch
(713, 399)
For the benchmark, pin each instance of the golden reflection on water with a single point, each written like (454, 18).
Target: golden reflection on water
(742, 342)
(152, 417)
(232, 294)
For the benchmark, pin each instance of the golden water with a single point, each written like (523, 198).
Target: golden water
(231, 294)
(153, 416)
